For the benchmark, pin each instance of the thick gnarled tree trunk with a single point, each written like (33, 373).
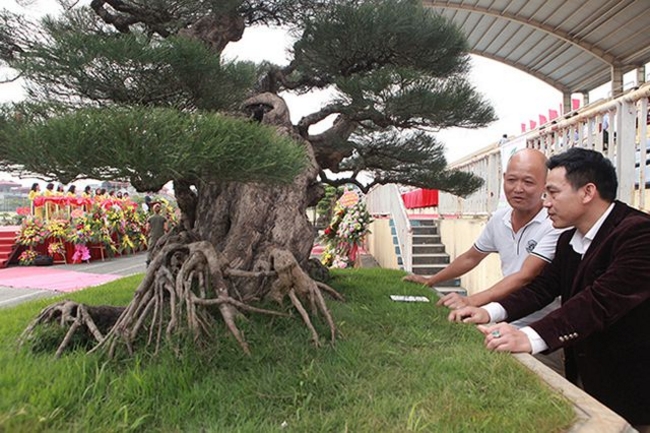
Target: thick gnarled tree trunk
(248, 242)
(245, 222)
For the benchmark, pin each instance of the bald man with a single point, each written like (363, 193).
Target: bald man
(602, 272)
(522, 235)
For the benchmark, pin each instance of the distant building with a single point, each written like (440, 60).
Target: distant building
(12, 196)
(7, 186)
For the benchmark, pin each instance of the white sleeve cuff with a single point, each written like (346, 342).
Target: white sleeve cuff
(496, 311)
(536, 343)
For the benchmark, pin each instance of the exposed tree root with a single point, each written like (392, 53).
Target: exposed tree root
(187, 287)
(92, 322)
(292, 281)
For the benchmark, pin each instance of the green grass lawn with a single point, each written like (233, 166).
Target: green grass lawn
(396, 367)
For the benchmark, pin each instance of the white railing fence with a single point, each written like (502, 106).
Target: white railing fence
(387, 200)
(487, 165)
(618, 128)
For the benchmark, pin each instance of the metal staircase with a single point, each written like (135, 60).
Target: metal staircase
(416, 241)
(429, 256)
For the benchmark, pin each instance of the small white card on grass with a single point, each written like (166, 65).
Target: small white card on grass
(400, 298)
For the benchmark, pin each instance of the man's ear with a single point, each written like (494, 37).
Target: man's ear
(589, 192)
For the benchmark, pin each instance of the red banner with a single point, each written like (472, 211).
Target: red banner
(40, 200)
(420, 198)
(575, 104)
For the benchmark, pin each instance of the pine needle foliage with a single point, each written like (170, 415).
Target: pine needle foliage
(395, 67)
(148, 146)
(358, 37)
(420, 162)
(82, 61)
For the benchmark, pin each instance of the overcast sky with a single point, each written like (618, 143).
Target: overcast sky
(516, 96)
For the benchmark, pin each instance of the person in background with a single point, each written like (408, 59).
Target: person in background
(147, 205)
(87, 194)
(601, 270)
(73, 204)
(156, 227)
(34, 191)
(49, 206)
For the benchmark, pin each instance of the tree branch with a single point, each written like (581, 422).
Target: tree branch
(311, 119)
(344, 181)
(11, 80)
(331, 146)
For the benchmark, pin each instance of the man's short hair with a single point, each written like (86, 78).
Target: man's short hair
(585, 166)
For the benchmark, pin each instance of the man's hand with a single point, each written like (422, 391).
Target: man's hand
(419, 279)
(503, 337)
(469, 315)
(454, 301)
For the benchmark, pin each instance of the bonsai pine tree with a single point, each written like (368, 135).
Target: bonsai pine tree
(140, 91)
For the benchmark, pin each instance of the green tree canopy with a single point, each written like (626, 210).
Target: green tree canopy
(398, 73)
(147, 146)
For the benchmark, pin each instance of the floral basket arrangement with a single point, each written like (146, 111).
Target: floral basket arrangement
(81, 254)
(56, 248)
(57, 228)
(126, 227)
(345, 234)
(27, 257)
(118, 229)
(32, 232)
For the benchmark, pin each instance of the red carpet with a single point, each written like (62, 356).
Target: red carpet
(48, 278)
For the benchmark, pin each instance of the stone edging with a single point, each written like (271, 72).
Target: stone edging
(592, 416)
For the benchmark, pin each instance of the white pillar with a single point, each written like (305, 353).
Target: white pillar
(617, 81)
(626, 146)
(566, 102)
(640, 75)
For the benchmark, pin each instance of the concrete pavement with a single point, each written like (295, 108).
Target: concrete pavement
(123, 266)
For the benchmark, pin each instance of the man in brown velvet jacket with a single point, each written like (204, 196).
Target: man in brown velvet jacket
(602, 272)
